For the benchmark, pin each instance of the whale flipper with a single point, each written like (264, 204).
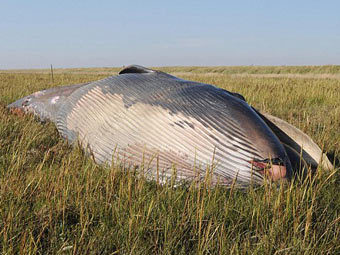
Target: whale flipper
(298, 141)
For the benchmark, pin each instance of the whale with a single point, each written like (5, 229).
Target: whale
(169, 127)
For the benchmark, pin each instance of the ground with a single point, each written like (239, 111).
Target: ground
(54, 199)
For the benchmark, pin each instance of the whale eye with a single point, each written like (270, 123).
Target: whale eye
(26, 102)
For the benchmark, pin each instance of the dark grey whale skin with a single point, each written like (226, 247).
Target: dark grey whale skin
(211, 120)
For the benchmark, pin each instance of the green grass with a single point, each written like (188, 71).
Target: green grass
(55, 200)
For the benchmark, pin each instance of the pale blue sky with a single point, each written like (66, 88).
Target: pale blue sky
(35, 34)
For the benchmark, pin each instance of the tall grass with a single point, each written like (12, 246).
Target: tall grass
(55, 200)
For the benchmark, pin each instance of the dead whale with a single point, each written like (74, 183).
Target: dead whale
(166, 125)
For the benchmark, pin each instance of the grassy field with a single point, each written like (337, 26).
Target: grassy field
(55, 200)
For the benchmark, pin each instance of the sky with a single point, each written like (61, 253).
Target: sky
(36, 33)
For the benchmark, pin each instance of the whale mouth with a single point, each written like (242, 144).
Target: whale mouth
(274, 168)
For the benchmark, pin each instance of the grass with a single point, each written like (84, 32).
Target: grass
(323, 70)
(55, 200)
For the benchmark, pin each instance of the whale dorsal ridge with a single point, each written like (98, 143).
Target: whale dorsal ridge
(136, 69)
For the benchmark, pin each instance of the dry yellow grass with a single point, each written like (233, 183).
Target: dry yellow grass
(55, 200)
